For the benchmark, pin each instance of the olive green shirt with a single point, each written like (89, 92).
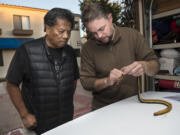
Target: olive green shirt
(97, 60)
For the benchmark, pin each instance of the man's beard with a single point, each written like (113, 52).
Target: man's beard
(104, 43)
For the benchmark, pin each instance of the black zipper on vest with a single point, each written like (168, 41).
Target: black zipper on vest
(57, 69)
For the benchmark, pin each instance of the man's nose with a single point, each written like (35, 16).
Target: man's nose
(65, 35)
(99, 34)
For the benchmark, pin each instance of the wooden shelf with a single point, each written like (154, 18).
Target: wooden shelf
(167, 13)
(167, 77)
(166, 46)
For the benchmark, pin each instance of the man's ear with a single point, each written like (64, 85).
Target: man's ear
(110, 17)
(47, 28)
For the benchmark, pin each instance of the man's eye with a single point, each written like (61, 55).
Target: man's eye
(61, 32)
(69, 32)
(93, 33)
(102, 29)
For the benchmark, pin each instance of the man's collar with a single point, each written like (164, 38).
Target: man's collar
(116, 36)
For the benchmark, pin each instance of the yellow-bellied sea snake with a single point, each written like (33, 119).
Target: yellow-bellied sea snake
(156, 101)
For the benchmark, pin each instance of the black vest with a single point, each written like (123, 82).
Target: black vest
(49, 92)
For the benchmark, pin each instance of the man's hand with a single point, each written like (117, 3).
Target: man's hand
(137, 68)
(29, 121)
(114, 77)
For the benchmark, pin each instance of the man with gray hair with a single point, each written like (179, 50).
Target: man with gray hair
(47, 68)
(108, 54)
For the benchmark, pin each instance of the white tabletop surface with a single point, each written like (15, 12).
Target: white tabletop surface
(127, 117)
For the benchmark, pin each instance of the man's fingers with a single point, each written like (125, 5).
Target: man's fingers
(33, 127)
(30, 121)
(117, 73)
(128, 69)
(114, 76)
(134, 69)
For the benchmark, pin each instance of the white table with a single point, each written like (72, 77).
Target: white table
(127, 117)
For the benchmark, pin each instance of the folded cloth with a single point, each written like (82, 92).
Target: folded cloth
(170, 53)
(169, 64)
(169, 84)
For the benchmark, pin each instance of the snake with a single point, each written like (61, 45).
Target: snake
(155, 101)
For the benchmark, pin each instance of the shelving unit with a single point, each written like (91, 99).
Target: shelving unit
(167, 77)
(167, 13)
(166, 46)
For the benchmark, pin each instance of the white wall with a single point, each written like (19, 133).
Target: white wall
(6, 24)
